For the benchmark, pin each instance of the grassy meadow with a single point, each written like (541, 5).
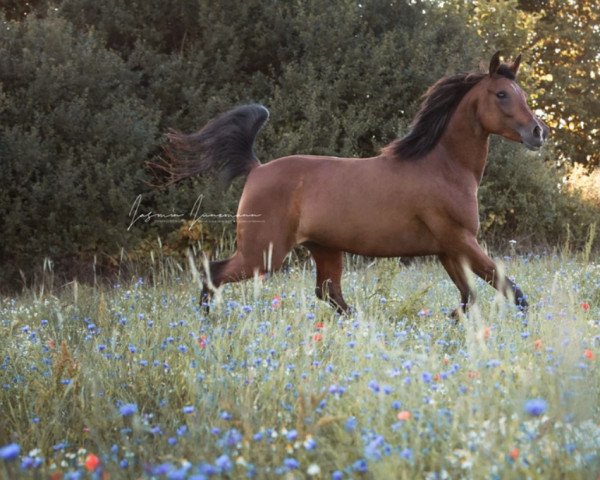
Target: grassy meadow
(131, 380)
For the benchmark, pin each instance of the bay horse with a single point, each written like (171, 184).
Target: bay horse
(417, 197)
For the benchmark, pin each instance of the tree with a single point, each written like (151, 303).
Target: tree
(560, 41)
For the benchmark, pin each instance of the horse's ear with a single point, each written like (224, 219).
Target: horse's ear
(494, 63)
(515, 65)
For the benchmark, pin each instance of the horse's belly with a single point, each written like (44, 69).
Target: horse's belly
(374, 239)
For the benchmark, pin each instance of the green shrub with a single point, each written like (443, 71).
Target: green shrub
(523, 198)
(73, 137)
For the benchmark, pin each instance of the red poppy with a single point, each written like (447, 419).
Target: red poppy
(486, 333)
(587, 353)
(404, 415)
(92, 462)
(514, 453)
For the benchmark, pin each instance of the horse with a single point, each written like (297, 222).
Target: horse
(417, 197)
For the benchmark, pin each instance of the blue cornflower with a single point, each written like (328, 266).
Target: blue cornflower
(374, 386)
(333, 389)
(493, 363)
(350, 424)
(10, 451)
(535, 407)
(427, 377)
(360, 466)
(161, 469)
(291, 463)
(292, 435)
(372, 449)
(407, 454)
(188, 409)
(337, 475)
(123, 463)
(224, 463)
(230, 438)
(226, 415)
(310, 443)
(128, 409)
(27, 463)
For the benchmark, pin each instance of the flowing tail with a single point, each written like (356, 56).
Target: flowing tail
(225, 145)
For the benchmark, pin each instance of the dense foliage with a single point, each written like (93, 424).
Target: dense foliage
(87, 89)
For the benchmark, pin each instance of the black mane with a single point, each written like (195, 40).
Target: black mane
(439, 103)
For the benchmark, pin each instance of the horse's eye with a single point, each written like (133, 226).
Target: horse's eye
(501, 94)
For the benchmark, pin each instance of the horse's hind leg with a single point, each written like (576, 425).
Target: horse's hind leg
(241, 267)
(329, 275)
(212, 280)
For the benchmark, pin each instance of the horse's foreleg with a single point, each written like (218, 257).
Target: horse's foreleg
(329, 275)
(456, 271)
(484, 267)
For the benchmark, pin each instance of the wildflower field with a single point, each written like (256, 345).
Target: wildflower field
(132, 380)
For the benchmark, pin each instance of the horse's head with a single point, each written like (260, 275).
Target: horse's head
(502, 106)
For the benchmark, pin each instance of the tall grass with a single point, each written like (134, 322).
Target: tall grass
(273, 383)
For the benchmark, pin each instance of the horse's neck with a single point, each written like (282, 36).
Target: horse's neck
(464, 141)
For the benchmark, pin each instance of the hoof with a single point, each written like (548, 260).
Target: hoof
(345, 310)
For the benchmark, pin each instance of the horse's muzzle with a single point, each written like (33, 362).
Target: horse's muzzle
(535, 134)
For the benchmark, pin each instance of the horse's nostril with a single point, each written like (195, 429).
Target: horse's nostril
(537, 132)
